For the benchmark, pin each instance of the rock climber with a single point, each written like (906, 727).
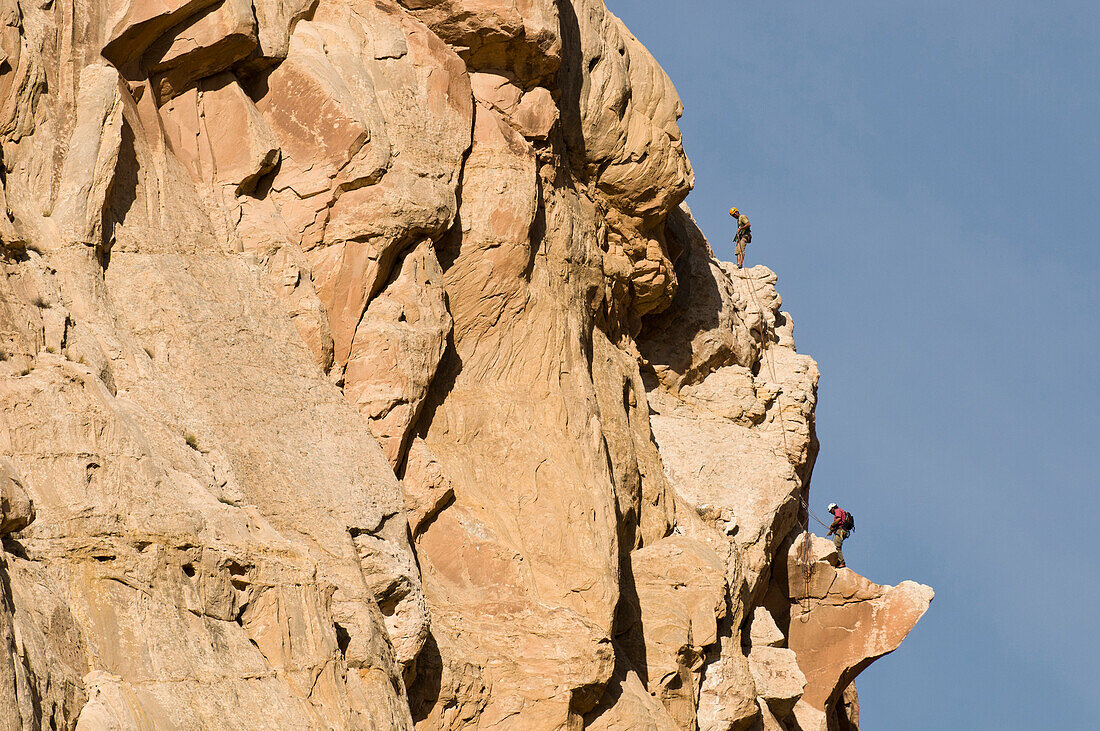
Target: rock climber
(839, 530)
(743, 236)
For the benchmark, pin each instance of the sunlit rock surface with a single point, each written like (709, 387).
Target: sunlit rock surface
(362, 367)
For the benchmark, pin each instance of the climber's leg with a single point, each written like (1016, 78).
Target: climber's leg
(838, 542)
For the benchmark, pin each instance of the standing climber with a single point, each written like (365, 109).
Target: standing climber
(743, 236)
(840, 529)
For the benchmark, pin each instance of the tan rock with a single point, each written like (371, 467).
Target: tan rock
(427, 490)
(851, 622)
(521, 488)
(497, 90)
(809, 718)
(209, 42)
(777, 677)
(397, 347)
(275, 19)
(628, 705)
(536, 114)
(522, 35)
(276, 256)
(710, 323)
(846, 713)
(770, 722)
(727, 696)
(627, 116)
(764, 632)
(12, 696)
(138, 23)
(681, 592)
(264, 233)
(533, 114)
(538, 665)
(89, 168)
(22, 75)
(16, 509)
(360, 180)
(243, 147)
(219, 134)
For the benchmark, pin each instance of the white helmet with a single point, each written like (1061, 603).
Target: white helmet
(832, 507)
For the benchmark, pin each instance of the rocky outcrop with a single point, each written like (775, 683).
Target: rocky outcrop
(840, 623)
(362, 367)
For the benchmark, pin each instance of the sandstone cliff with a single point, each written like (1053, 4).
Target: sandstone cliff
(362, 367)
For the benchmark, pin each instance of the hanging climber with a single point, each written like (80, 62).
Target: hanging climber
(842, 526)
(743, 236)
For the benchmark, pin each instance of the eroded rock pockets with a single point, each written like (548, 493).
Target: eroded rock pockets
(262, 259)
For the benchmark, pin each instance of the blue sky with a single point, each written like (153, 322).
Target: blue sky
(925, 179)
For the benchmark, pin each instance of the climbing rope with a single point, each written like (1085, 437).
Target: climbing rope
(823, 525)
(805, 558)
(771, 369)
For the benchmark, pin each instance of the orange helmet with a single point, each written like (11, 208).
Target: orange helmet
(734, 212)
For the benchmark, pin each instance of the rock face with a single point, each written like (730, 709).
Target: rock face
(362, 367)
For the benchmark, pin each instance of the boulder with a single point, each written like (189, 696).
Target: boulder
(777, 677)
(764, 632)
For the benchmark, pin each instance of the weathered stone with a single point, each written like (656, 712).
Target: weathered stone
(210, 41)
(360, 367)
(141, 22)
(427, 490)
(626, 117)
(777, 677)
(851, 622)
(764, 632)
(846, 713)
(497, 90)
(727, 697)
(16, 510)
(89, 169)
(275, 20)
(521, 35)
(536, 114)
(737, 445)
(218, 133)
(372, 148)
(711, 322)
(681, 595)
(396, 349)
(628, 705)
(768, 719)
